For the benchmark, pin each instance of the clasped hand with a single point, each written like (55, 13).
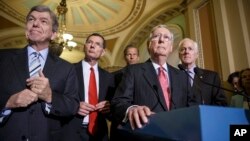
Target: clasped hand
(39, 88)
(86, 108)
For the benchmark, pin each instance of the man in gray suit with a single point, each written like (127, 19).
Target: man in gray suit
(38, 90)
(141, 92)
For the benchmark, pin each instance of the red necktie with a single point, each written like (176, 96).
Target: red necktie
(163, 78)
(92, 100)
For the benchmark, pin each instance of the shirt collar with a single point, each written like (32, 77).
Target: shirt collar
(88, 66)
(43, 53)
(156, 66)
(191, 69)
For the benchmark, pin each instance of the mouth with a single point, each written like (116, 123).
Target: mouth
(161, 47)
(35, 31)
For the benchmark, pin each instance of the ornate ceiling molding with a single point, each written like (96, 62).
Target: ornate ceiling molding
(164, 17)
(88, 16)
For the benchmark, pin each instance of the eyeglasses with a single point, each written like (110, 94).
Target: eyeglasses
(162, 37)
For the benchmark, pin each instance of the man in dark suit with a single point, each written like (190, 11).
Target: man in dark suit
(141, 92)
(204, 93)
(35, 107)
(131, 56)
(79, 128)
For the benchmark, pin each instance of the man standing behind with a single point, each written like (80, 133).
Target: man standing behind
(96, 90)
(152, 86)
(37, 88)
(131, 56)
(204, 93)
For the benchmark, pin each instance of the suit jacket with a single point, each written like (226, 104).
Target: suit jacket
(106, 91)
(237, 101)
(118, 76)
(206, 94)
(33, 122)
(140, 86)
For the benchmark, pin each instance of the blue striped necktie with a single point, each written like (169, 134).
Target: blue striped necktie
(35, 64)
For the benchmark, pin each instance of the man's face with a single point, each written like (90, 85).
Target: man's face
(245, 79)
(93, 48)
(132, 56)
(187, 53)
(39, 27)
(235, 82)
(160, 43)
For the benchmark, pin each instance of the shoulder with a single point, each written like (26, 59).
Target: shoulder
(59, 62)
(12, 51)
(117, 72)
(174, 70)
(6, 54)
(207, 72)
(105, 74)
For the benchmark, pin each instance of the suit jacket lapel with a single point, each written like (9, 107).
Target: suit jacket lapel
(174, 83)
(197, 85)
(49, 67)
(79, 72)
(101, 84)
(151, 77)
(20, 61)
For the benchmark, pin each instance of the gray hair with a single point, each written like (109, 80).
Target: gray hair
(161, 26)
(195, 45)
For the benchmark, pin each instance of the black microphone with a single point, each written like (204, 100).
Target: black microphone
(182, 67)
(158, 99)
(197, 72)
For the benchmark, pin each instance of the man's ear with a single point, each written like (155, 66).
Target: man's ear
(103, 52)
(54, 34)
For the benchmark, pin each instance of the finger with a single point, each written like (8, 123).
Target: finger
(83, 112)
(105, 108)
(147, 111)
(30, 79)
(41, 73)
(131, 120)
(101, 103)
(143, 115)
(105, 111)
(87, 107)
(137, 120)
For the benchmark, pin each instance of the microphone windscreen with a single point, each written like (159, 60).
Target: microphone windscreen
(181, 67)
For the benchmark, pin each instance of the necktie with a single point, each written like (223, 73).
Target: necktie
(190, 77)
(163, 78)
(35, 64)
(92, 100)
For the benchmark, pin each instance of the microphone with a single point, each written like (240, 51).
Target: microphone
(182, 67)
(197, 72)
(158, 99)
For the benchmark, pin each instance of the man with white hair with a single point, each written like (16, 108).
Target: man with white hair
(205, 94)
